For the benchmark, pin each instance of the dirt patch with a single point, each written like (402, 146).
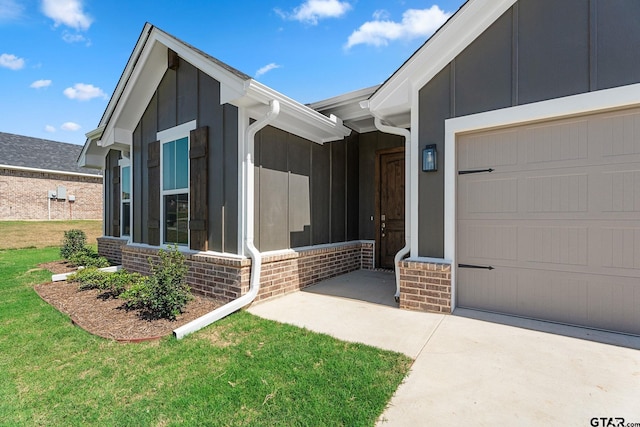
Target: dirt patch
(101, 315)
(58, 267)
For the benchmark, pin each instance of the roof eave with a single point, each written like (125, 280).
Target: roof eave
(395, 96)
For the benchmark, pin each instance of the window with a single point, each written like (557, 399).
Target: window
(175, 191)
(125, 200)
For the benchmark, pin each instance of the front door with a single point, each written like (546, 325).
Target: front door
(390, 189)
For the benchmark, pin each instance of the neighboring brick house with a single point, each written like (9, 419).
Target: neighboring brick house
(40, 180)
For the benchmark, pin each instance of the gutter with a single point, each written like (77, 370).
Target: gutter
(407, 199)
(254, 254)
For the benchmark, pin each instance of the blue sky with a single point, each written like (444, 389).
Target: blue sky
(60, 60)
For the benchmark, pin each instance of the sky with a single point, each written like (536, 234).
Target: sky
(60, 60)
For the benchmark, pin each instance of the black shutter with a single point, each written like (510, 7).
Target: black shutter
(153, 174)
(198, 203)
(115, 206)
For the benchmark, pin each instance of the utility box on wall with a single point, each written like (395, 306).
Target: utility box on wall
(61, 194)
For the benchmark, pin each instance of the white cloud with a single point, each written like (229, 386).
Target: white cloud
(313, 10)
(75, 38)
(49, 128)
(84, 92)
(67, 12)
(70, 126)
(10, 10)
(264, 70)
(11, 62)
(40, 83)
(416, 23)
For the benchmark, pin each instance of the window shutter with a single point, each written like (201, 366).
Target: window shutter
(153, 174)
(115, 191)
(198, 179)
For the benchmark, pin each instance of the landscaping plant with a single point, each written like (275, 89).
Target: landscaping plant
(74, 241)
(165, 293)
(115, 283)
(75, 250)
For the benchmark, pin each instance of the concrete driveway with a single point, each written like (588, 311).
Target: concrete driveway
(480, 369)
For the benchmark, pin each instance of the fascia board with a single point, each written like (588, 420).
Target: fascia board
(447, 43)
(298, 118)
(344, 99)
(142, 84)
(129, 67)
(50, 171)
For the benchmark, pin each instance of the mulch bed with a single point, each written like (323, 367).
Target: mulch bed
(99, 314)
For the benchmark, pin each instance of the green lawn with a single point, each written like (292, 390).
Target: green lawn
(240, 371)
(40, 234)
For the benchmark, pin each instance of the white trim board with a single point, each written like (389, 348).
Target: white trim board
(576, 105)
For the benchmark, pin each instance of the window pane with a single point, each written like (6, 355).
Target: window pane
(126, 183)
(168, 166)
(182, 163)
(176, 214)
(126, 219)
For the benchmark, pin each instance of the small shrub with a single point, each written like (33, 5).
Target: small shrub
(88, 257)
(115, 283)
(74, 241)
(120, 281)
(165, 293)
(90, 278)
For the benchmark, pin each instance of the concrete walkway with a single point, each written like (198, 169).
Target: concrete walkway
(479, 369)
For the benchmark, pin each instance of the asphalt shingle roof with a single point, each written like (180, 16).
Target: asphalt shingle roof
(37, 153)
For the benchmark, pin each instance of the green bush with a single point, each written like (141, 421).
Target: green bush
(115, 283)
(88, 257)
(74, 241)
(165, 293)
(90, 278)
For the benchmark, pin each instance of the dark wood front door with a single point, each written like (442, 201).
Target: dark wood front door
(389, 205)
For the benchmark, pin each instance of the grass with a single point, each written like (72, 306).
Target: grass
(240, 371)
(40, 234)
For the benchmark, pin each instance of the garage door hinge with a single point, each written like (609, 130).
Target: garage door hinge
(480, 267)
(475, 171)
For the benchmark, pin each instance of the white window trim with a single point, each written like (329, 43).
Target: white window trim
(168, 135)
(123, 163)
(576, 105)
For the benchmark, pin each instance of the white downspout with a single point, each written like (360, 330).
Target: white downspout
(254, 254)
(407, 199)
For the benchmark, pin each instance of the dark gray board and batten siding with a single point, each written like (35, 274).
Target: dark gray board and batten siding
(183, 95)
(537, 50)
(306, 193)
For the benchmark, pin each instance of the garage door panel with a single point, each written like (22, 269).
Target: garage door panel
(493, 289)
(620, 248)
(491, 241)
(621, 191)
(541, 147)
(562, 245)
(603, 302)
(561, 226)
(621, 131)
(493, 150)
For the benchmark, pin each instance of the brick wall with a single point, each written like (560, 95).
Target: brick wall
(292, 271)
(24, 196)
(425, 286)
(227, 278)
(111, 248)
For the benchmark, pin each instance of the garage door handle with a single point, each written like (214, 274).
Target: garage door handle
(475, 171)
(480, 267)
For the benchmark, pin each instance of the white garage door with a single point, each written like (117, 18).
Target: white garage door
(553, 232)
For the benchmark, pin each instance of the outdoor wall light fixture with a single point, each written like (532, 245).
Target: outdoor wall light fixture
(430, 158)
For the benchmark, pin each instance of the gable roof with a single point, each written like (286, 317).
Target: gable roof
(392, 101)
(35, 153)
(146, 68)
